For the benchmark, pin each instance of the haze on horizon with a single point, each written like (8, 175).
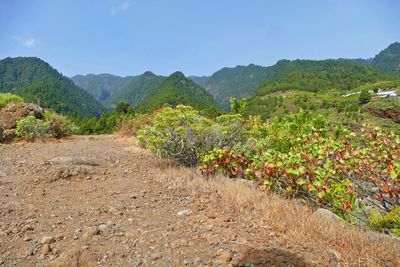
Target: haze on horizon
(128, 37)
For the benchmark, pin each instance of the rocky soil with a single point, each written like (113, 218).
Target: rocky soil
(103, 201)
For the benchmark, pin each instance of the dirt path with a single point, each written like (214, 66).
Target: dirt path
(103, 201)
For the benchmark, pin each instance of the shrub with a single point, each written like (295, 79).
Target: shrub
(6, 98)
(130, 125)
(30, 128)
(298, 159)
(53, 125)
(183, 134)
(388, 222)
(58, 126)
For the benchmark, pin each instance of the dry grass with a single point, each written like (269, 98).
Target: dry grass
(293, 226)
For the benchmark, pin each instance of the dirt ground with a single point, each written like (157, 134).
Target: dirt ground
(103, 201)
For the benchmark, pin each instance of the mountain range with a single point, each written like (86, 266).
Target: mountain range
(92, 94)
(243, 81)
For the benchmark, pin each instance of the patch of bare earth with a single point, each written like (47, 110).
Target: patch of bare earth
(103, 201)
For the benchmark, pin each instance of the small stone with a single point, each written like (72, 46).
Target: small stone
(334, 257)
(27, 238)
(156, 256)
(102, 227)
(184, 212)
(224, 256)
(26, 228)
(89, 232)
(47, 240)
(46, 249)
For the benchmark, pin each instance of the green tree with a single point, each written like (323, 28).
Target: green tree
(122, 107)
(364, 98)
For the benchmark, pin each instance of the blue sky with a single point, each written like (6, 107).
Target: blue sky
(198, 37)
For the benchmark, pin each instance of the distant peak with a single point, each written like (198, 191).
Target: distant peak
(148, 74)
(178, 74)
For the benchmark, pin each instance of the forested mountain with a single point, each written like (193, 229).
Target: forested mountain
(242, 81)
(177, 89)
(136, 90)
(239, 82)
(388, 60)
(319, 75)
(36, 81)
(101, 86)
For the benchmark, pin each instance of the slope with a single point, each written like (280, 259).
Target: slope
(36, 81)
(101, 86)
(136, 90)
(177, 89)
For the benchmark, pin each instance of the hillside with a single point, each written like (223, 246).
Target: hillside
(388, 60)
(36, 81)
(177, 89)
(320, 75)
(136, 90)
(238, 82)
(101, 86)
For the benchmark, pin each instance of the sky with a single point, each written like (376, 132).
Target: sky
(197, 37)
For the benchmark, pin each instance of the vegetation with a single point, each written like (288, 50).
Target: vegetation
(136, 90)
(185, 135)
(51, 126)
(175, 90)
(300, 156)
(102, 86)
(7, 98)
(37, 82)
(388, 60)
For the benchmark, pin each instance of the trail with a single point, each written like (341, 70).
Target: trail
(104, 201)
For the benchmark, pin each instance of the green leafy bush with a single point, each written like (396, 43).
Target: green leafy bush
(184, 134)
(30, 128)
(388, 222)
(53, 125)
(6, 98)
(298, 158)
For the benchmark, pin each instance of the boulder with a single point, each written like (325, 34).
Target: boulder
(10, 114)
(327, 215)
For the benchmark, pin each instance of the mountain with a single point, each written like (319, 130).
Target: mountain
(319, 75)
(36, 81)
(243, 81)
(177, 89)
(101, 86)
(388, 60)
(238, 82)
(318, 86)
(136, 90)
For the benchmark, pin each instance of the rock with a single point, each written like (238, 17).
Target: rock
(8, 135)
(10, 114)
(46, 249)
(75, 258)
(156, 256)
(328, 215)
(184, 212)
(89, 232)
(47, 240)
(224, 256)
(102, 227)
(76, 161)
